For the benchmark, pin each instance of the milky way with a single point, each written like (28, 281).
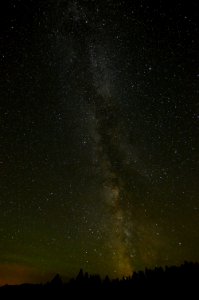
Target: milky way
(99, 141)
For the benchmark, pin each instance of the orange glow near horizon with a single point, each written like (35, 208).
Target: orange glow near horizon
(18, 274)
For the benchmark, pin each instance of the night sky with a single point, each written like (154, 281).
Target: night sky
(98, 137)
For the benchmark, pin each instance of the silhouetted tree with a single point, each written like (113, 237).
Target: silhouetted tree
(80, 276)
(56, 281)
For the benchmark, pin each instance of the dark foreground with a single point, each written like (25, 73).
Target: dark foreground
(159, 283)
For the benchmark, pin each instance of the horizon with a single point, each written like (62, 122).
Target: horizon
(66, 279)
